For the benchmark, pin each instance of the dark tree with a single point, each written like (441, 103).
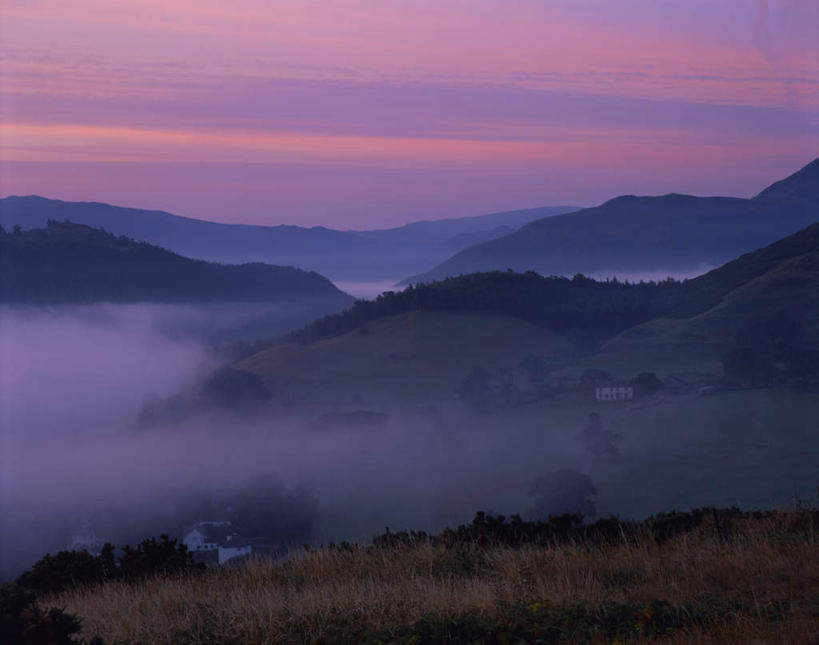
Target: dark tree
(598, 441)
(647, 383)
(563, 492)
(235, 389)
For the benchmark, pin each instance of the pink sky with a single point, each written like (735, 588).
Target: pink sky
(367, 113)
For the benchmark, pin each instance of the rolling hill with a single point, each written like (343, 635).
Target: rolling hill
(378, 255)
(424, 340)
(67, 262)
(677, 234)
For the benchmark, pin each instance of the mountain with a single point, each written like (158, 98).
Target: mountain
(418, 344)
(66, 262)
(377, 255)
(677, 234)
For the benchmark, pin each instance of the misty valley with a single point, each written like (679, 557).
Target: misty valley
(254, 411)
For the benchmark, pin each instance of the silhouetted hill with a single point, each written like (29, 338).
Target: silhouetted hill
(419, 344)
(377, 255)
(67, 262)
(601, 308)
(628, 234)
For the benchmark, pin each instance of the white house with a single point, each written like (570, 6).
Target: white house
(206, 536)
(234, 547)
(614, 393)
(217, 543)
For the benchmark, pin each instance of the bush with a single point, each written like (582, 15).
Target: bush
(23, 621)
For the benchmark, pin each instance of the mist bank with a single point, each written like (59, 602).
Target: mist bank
(75, 380)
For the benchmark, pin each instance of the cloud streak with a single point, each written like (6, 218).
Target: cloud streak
(440, 86)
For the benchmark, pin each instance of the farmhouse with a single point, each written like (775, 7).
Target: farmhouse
(613, 392)
(216, 543)
(206, 536)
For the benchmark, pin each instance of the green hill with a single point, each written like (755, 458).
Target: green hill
(67, 262)
(426, 337)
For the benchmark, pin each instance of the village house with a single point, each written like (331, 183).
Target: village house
(614, 392)
(216, 542)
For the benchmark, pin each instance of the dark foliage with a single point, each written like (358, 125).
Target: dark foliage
(68, 569)
(562, 492)
(68, 262)
(598, 441)
(487, 530)
(585, 310)
(235, 389)
(600, 309)
(647, 383)
(154, 557)
(24, 622)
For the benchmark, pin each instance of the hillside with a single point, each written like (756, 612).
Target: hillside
(492, 581)
(677, 234)
(377, 255)
(427, 337)
(67, 262)
(400, 358)
(704, 315)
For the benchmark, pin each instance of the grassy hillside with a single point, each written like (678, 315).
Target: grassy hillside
(67, 262)
(405, 357)
(726, 578)
(709, 310)
(664, 327)
(675, 233)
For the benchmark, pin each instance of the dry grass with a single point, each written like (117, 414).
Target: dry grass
(316, 596)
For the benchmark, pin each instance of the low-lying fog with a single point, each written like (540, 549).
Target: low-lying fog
(76, 454)
(73, 381)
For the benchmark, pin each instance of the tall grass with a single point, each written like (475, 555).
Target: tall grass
(760, 584)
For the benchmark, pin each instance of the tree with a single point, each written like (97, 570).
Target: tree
(597, 440)
(563, 492)
(235, 389)
(646, 384)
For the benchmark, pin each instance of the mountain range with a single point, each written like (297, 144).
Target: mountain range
(417, 344)
(367, 256)
(675, 234)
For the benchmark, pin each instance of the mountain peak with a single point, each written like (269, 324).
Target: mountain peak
(803, 185)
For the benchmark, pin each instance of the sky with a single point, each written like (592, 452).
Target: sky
(373, 113)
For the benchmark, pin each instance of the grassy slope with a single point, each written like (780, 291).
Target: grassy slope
(417, 357)
(759, 583)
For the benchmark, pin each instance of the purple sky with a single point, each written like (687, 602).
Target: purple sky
(361, 114)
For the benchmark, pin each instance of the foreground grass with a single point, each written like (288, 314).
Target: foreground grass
(759, 584)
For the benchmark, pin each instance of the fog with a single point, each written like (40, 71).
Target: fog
(77, 454)
(73, 381)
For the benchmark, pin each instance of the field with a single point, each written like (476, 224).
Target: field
(746, 581)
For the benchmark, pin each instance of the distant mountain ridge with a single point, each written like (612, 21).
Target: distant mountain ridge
(674, 233)
(67, 262)
(377, 255)
(420, 343)
(600, 308)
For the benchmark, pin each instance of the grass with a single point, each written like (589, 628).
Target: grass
(757, 584)
(416, 357)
